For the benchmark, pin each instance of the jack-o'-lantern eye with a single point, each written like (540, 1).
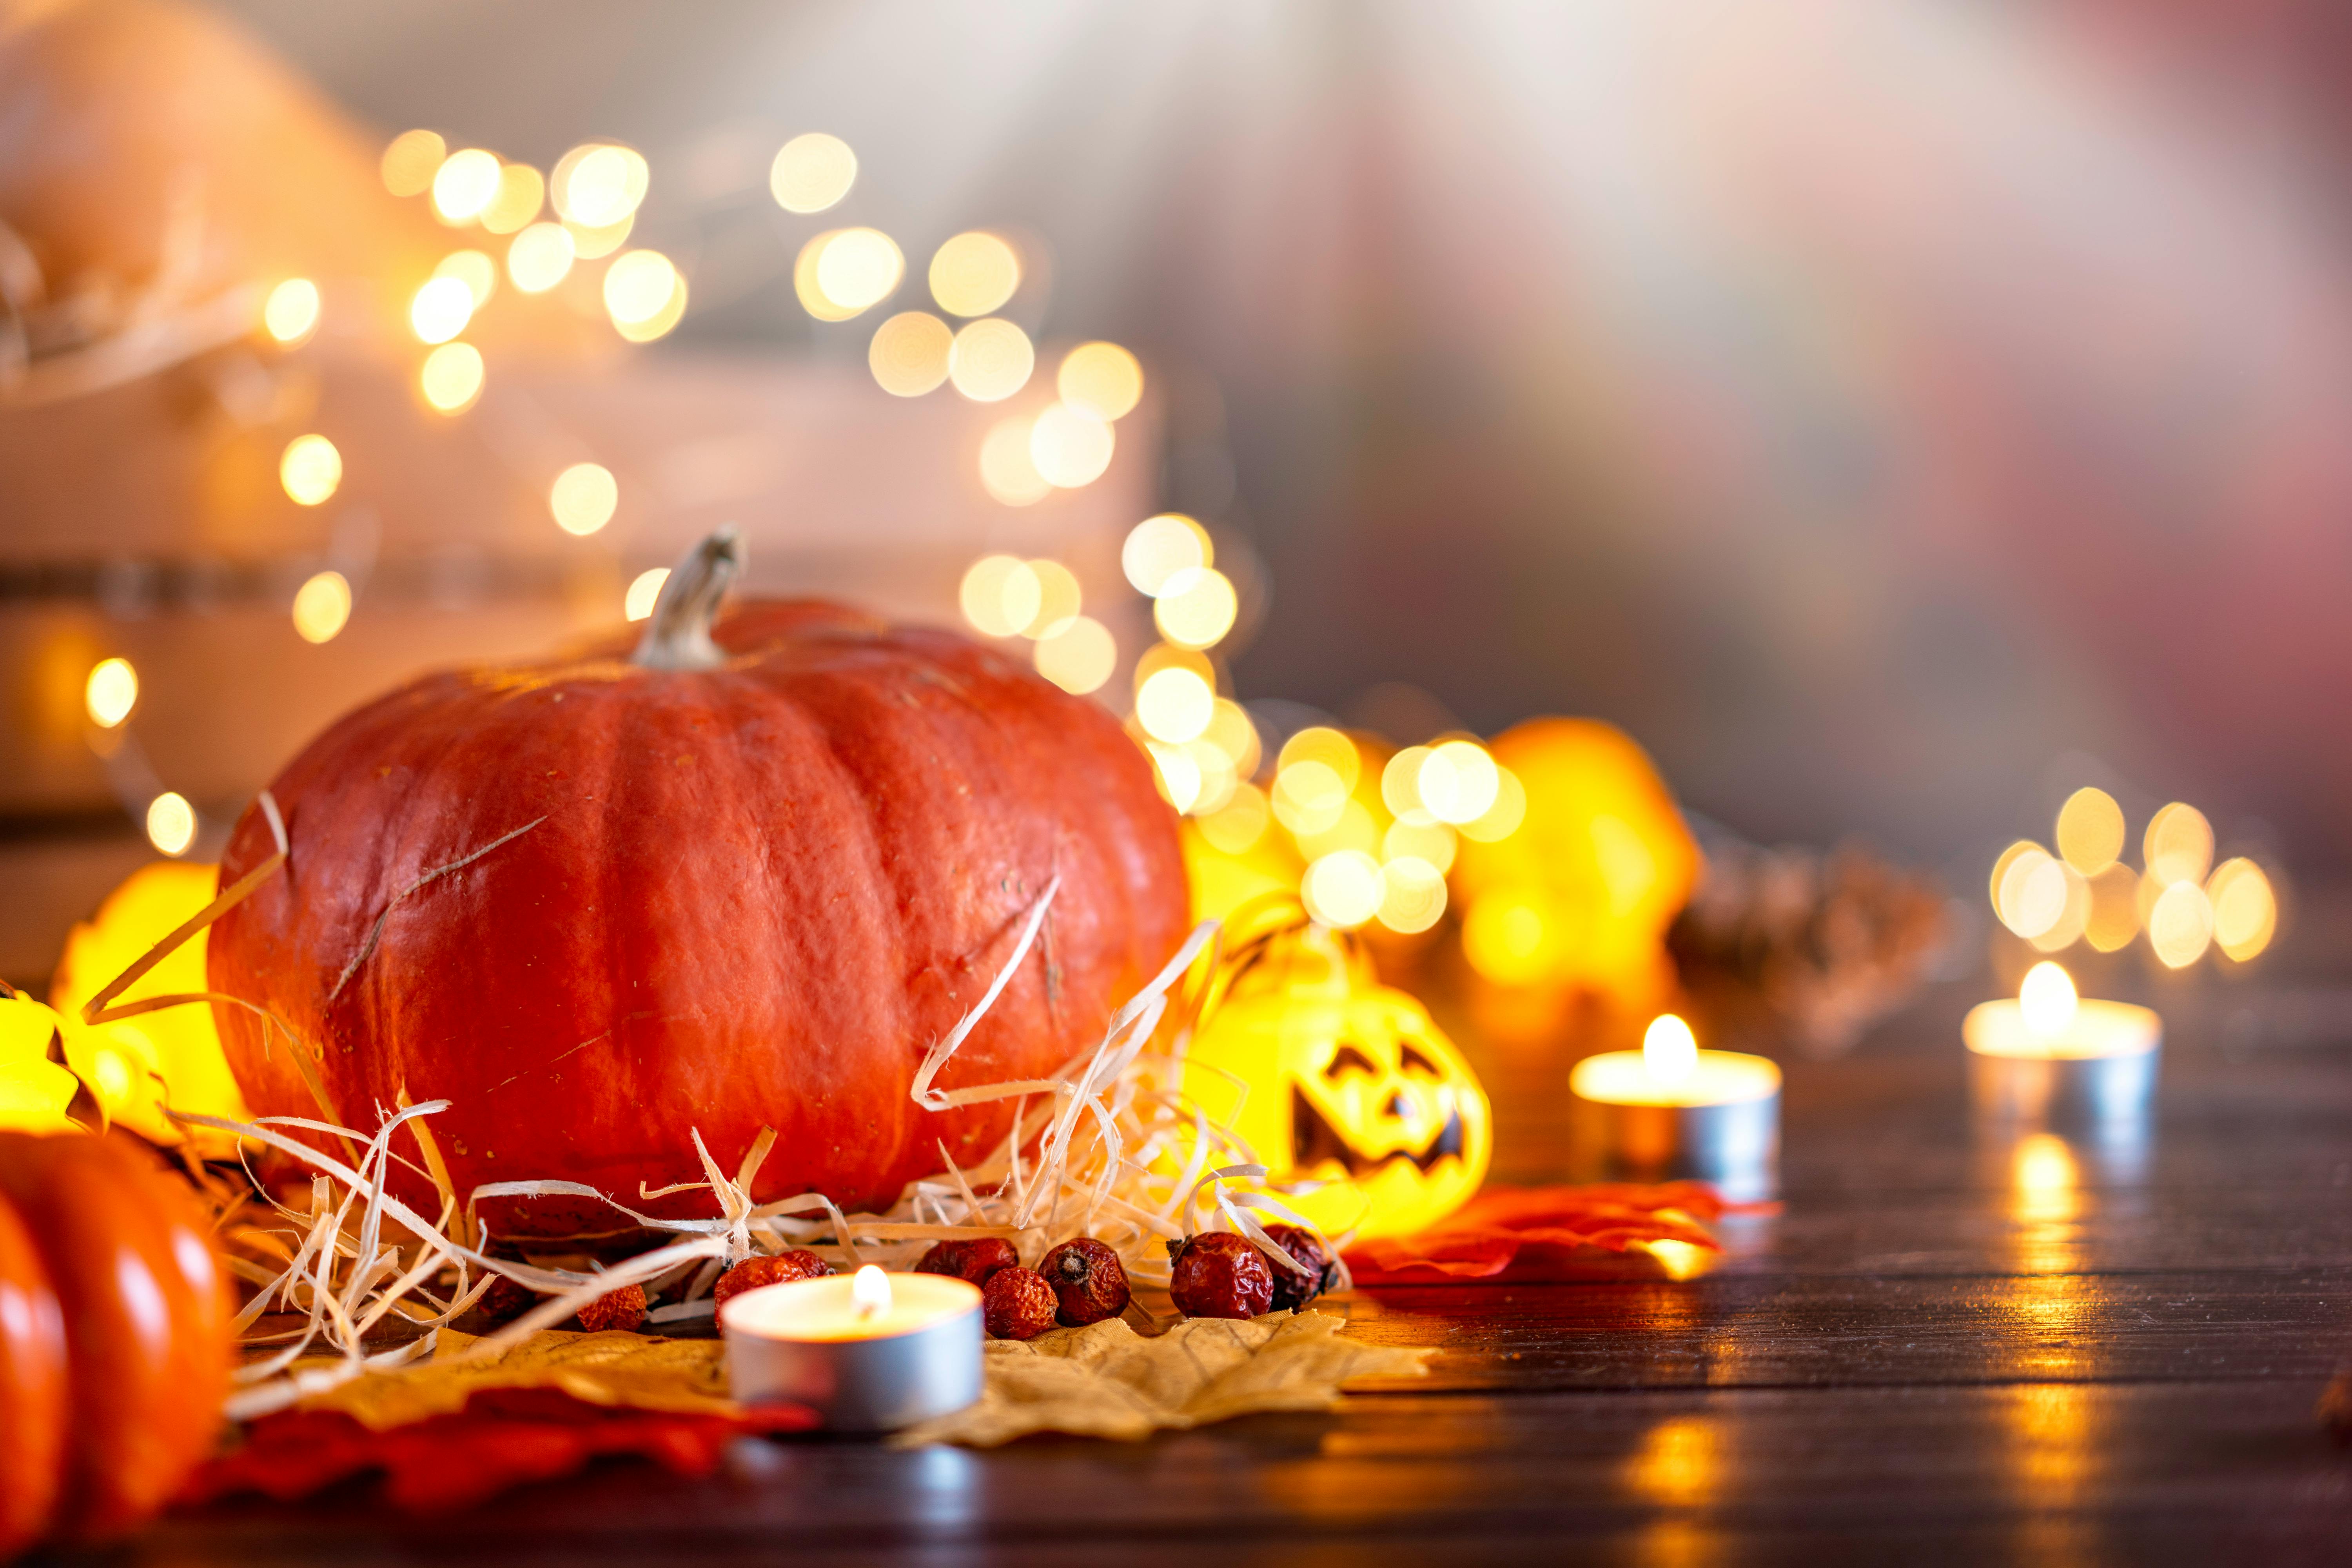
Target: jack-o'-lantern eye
(1414, 1061)
(1346, 1057)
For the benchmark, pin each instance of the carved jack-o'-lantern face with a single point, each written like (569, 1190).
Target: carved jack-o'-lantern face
(1348, 1083)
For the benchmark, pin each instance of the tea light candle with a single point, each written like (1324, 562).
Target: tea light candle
(868, 1352)
(1671, 1111)
(2049, 1054)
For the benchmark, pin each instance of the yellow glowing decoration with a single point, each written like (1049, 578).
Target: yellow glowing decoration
(2178, 846)
(34, 1090)
(1343, 889)
(1177, 774)
(411, 160)
(584, 499)
(170, 1055)
(645, 590)
(451, 378)
(440, 310)
(1174, 706)
(1103, 379)
(592, 243)
(1000, 595)
(465, 184)
(599, 185)
(111, 692)
(291, 314)
(974, 273)
(812, 171)
(540, 258)
(2090, 831)
(1196, 607)
(1347, 1082)
(2048, 1001)
(2245, 909)
(170, 823)
(1079, 657)
(990, 360)
(1581, 893)
(1070, 448)
(1058, 599)
(476, 270)
(2114, 917)
(310, 468)
(1238, 825)
(322, 605)
(1006, 471)
(1413, 894)
(521, 194)
(908, 355)
(1157, 548)
(2181, 925)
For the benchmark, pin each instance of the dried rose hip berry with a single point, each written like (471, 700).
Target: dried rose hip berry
(505, 1301)
(972, 1260)
(1016, 1303)
(754, 1272)
(1293, 1290)
(1218, 1275)
(622, 1309)
(1088, 1280)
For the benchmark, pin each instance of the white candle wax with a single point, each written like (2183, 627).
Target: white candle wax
(1714, 1078)
(869, 1353)
(821, 1310)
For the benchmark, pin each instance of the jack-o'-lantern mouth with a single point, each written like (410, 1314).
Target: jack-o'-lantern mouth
(1314, 1139)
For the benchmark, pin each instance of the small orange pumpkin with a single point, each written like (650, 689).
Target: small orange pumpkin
(115, 1340)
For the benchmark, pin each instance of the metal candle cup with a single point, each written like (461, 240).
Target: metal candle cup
(823, 1344)
(1713, 1116)
(2096, 1071)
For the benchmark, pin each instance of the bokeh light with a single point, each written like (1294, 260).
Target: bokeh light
(1413, 894)
(1502, 818)
(1237, 827)
(1159, 547)
(1332, 748)
(171, 827)
(673, 310)
(310, 468)
(1103, 379)
(594, 243)
(111, 692)
(974, 273)
(1006, 470)
(1234, 735)
(644, 592)
(992, 359)
(855, 269)
(1079, 657)
(411, 160)
(812, 171)
(1457, 782)
(1070, 448)
(2178, 846)
(291, 312)
(1343, 889)
(540, 258)
(1174, 706)
(908, 355)
(441, 310)
(2073, 914)
(583, 498)
(1196, 606)
(2114, 919)
(1176, 773)
(522, 193)
(2090, 831)
(1310, 798)
(1434, 842)
(2031, 895)
(451, 378)
(1509, 936)
(1000, 595)
(600, 184)
(2245, 909)
(1059, 599)
(476, 270)
(638, 286)
(322, 605)
(2181, 925)
(464, 185)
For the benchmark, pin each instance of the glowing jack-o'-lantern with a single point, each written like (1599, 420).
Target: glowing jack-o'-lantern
(1330, 1076)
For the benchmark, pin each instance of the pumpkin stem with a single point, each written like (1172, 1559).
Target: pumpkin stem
(679, 635)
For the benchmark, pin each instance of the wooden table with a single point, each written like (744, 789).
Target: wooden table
(1950, 1347)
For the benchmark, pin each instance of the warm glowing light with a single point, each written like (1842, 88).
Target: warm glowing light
(1432, 841)
(1006, 472)
(1457, 782)
(990, 360)
(1196, 606)
(1333, 749)
(521, 194)
(1000, 595)
(1509, 937)
(1174, 706)
(1070, 447)
(1079, 657)
(812, 171)
(2114, 918)
(1058, 599)
(441, 310)
(644, 592)
(673, 310)
(322, 605)
(1310, 798)
(1238, 825)
(291, 312)
(638, 286)
(869, 1291)
(1502, 818)
(1159, 547)
(2178, 846)
(1103, 379)
(1343, 889)
(2181, 925)
(592, 244)
(476, 270)
(111, 692)
(2090, 831)
(1234, 736)
(2047, 1000)
(2031, 895)
(171, 827)
(908, 355)
(2245, 909)
(597, 186)
(464, 185)
(584, 499)
(411, 160)
(452, 377)
(1178, 775)
(1413, 894)
(310, 470)
(540, 258)
(974, 273)
(2073, 916)
(2043, 1172)
(857, 268)
(1669, 1050)
(1352, 828)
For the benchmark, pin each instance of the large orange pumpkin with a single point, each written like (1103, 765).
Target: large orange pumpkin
(115, 1336)
(715, 886)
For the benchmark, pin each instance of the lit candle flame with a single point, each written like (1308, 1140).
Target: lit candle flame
(1669, 1051)
(2047, 1000)
(870, 1289)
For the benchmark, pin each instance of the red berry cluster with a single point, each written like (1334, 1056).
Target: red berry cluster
(1078, 1283)
(1219, 1274)
(799, 1263)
